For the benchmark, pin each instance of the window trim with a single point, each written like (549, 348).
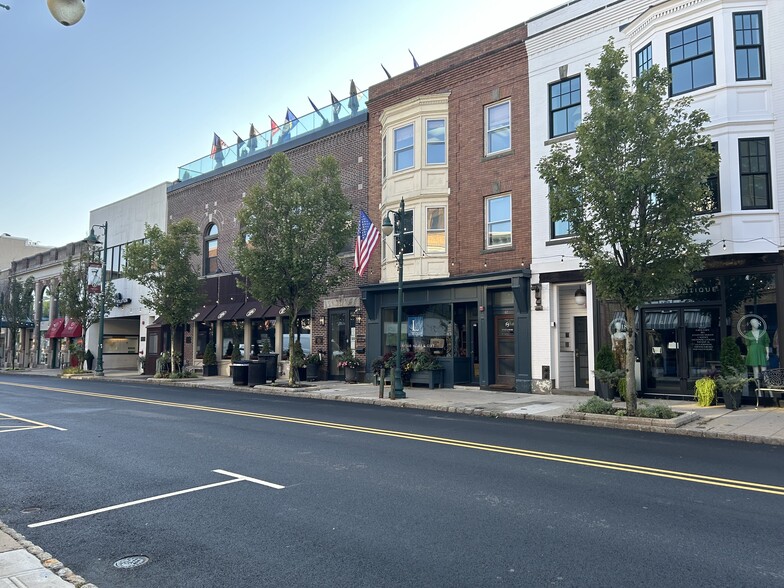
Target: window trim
(383, 157)
(717, 192)
(488, 130)
(428, 142)
(649, 61)
(760, 47)
(487, 223)
(562, 108)
(741, 175)
(428, 230)
(712, 53)
(395, 150)
(210, 237)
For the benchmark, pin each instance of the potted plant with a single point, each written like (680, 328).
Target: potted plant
(350, 363)
(606, 372)
(88, 358)
(210, 361)
(732, 377)
(312, 365)
(705, 389)
(425, 369)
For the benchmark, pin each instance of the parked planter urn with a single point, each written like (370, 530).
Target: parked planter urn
(351, 374)
(312, 372)
(733, 399)
(272, 365)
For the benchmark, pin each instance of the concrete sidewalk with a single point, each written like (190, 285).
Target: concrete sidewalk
(23, 564)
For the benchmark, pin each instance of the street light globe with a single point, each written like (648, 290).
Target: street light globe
(66, 12)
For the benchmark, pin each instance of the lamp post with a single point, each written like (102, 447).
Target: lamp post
(386, 227)
(93, 240)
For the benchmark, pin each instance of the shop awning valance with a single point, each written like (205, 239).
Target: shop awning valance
(223, 312)
(72, 329)
(203, 312)
(55, 330)
(253, 309)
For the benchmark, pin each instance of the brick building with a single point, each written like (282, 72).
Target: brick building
(451, 139)
(210, 192)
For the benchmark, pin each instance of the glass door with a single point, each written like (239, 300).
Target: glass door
(339, 339)
(505, 351)
(680, 346)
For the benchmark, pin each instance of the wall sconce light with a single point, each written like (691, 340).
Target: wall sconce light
(321, 321)
(537, 290)
(579, 297)
(358, 319)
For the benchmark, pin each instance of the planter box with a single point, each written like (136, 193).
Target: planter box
(432, 378)
(272, 365)
(312, 372)
(209, 370)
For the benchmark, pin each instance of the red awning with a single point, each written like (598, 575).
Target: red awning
(72, 329)
(55, 329)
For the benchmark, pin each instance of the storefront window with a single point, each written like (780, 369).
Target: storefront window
(261, 331)
(233, 336)
(301, 333)
(752, 318)
(424, 328)
(204, 335)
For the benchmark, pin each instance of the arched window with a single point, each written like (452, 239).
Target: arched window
(46, 303)
(211, 249)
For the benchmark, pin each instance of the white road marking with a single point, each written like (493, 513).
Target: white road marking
(235, 478)
(16, 418)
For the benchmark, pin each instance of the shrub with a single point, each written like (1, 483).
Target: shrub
(656, 411)
(348, 360)
(183, 374)
(313, 359)
(209, 354)
(705, 391)
(423, 360)
(731, 359)
(595, 405)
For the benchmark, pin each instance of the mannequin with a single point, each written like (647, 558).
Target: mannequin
(758, 347)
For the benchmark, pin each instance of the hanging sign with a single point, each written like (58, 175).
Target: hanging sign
(94, 278)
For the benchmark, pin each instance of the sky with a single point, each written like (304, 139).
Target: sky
(107, 108)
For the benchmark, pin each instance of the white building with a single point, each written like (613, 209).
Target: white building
(720, 54)
(125, 327)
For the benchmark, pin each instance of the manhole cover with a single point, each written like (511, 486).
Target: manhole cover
(133, 561)
(30, 509)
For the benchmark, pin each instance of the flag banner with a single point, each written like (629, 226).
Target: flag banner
(416, 63)
(316, 110)
(389, 77)
(217, 145)
(252, 143)
(368, 237)
(353, 103)
(274, 128)
(291, 122)
(94, 278)
(336, 106)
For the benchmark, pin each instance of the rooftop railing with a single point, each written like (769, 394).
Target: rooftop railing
(340, 112)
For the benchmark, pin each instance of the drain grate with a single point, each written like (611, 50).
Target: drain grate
(132, 561)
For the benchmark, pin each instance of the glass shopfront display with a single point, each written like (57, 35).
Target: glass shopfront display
(262, 334)
(681, 338)
(233, 336)
(424, 328)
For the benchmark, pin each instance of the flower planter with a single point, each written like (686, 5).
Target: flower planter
(432, 378)
(732, 400)
(272, 365)
(209, 370)
(257, 372)
(351, 375)
(312, 372)
(239, 374)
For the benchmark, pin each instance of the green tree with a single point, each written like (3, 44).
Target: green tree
(162, 263)
(293, 228)
(16, 304)
(631, 189)
(76, 300)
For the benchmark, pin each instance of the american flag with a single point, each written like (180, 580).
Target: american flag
(367, 240)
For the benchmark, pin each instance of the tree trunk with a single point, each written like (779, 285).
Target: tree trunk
(631, 384)
(293, 371)
(13, 348)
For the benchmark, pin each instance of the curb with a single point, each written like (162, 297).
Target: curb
(55, 566)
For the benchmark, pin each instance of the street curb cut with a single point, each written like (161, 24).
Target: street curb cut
(53, 565)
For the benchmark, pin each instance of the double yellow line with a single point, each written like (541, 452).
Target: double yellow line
(594, 463)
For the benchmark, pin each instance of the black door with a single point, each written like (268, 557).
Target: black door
(581, 351)
(339, 330)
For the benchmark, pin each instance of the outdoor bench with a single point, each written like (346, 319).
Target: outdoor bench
(772, 381)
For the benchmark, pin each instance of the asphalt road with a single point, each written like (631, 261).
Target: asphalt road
(374, 496)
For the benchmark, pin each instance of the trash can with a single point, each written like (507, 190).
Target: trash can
(239, 373)
(257, 372)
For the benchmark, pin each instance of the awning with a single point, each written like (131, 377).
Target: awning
(72, 329)
(223, 312)
(203, 312)
(275, 311)
(55, 329)
(253, 309)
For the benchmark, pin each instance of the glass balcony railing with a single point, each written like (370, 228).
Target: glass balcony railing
(346, 109)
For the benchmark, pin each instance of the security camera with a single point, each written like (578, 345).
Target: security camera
(66, 12)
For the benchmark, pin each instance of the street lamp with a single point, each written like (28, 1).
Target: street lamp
(386, 228)
(66, 12)
(93, 240)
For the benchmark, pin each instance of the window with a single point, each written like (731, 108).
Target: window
(406, 241)
(749, 64)
(384, 157)
(498, 130)
(436, 230)
(565, 109)
(754, 173)
(690, 57)
(404, 147)
(712, 202)
(436, 142)
(211, 249)
(561, 228)
(644, 59)
(498, 221)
